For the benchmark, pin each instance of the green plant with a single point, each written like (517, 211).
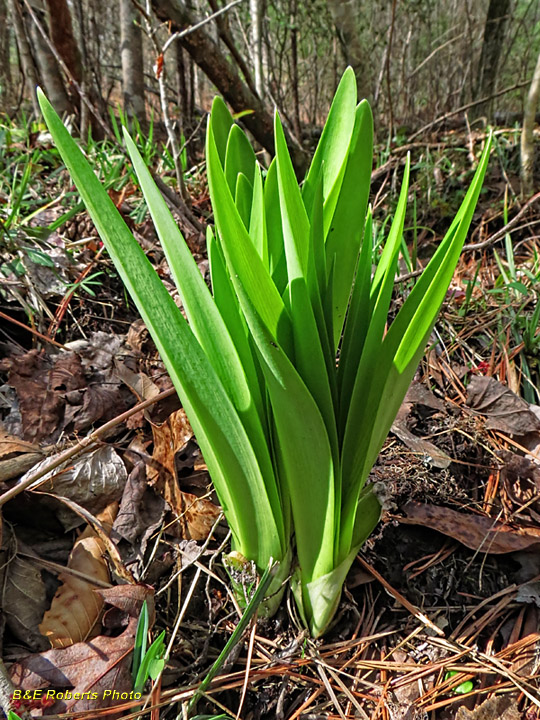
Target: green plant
(148, 662)
(461, 689)
(288, 434)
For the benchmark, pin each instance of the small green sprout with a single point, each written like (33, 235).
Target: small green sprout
(147, 663)
(463, 688)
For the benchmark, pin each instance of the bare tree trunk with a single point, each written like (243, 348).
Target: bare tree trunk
(344, 15)
(182, 84)
(294, 72)
(209, 58)
(255, 10)
(5, 60)
(61, 33)
(132, 61)
(48, 67)
(492, 48)
(225, 35)
(527, 137)
(25, 53)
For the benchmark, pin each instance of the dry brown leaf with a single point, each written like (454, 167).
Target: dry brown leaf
(22, 597)
(16, 456)
(500, 707)
(426, 450)
(504, 410)
(477, 532)
(76, 608)
(11, 445)
(195, 516)
(93, 481)
(141, 510)
(103, 534)
(41, 406)
(89, 668)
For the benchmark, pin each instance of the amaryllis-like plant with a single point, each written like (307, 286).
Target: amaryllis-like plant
(289, 433)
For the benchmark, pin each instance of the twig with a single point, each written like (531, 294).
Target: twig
(183, 33)
(467, 106)
(502, 232)
(32, 330)
(400, 598)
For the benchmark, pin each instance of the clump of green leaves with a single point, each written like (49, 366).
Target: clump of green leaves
(289, 434)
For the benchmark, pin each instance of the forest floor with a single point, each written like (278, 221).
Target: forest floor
(100, 472)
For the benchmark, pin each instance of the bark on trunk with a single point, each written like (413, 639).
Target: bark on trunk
(255, 8)
(492, 49)
(209, 58)
(61, 33)
(5, 60)
(527, 137)
(345, 14)
(132, 61)
(48, 67)
(25, 54)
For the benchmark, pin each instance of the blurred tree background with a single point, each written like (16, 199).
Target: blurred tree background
(416, 60)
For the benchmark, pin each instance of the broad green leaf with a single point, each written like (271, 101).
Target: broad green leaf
(333, 146)
(309, 356)
(347, 224)
(227, 303)
(318, 599)
(201, 310)
(254, 519)
(239, 157)
(360, 368)
(243, 198)
(405, 341)
(257, 220)
(304, 449)
(295, 223)
(358, 317)
(277, 262)
(222, 122)
(242, 258)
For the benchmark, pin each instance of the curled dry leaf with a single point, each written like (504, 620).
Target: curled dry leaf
(76, 608)
(16, 456)
(94, 481)
(505, 411)
(89, 669)
(195, 516)
(477, 532)
(141, 510)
